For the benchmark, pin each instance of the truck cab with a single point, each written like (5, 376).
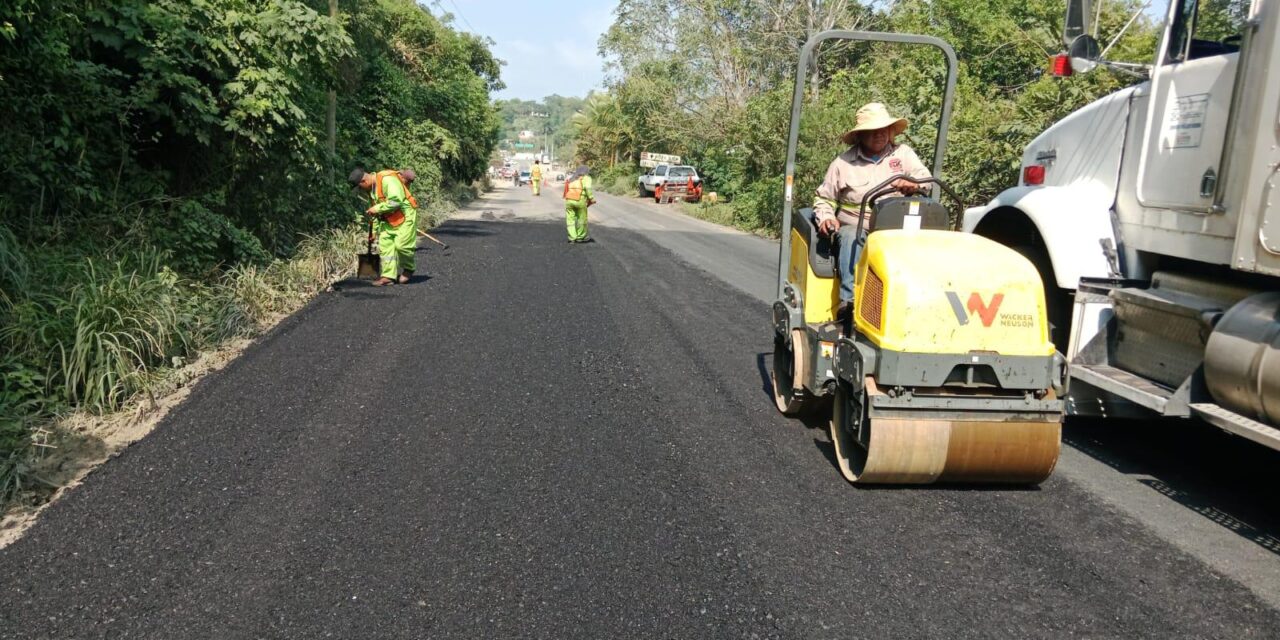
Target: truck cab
(1152, 216)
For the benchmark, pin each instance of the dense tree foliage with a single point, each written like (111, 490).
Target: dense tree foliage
(159, 159)
(714, 84)
(128, 118)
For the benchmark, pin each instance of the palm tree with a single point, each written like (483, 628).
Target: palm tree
(602, 130)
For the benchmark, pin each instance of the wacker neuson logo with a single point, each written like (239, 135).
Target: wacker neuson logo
(986, 312)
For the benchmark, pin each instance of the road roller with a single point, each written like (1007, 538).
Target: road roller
(943, 371)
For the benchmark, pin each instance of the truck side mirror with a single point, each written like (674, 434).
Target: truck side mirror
(1084, 53)
(1077, 22)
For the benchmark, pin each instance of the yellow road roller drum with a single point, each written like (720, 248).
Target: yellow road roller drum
(947, 374)
(942, 370)
(961, 385)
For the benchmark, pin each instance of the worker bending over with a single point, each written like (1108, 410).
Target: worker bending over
(396, 211)
(577, 198)
(535, 178)
(872, 158)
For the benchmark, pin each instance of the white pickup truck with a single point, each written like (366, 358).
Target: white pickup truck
(649, 182)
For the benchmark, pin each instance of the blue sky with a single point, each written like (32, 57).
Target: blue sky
(548, 47)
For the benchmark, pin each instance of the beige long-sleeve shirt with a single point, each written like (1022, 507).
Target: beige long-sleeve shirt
(852, 174)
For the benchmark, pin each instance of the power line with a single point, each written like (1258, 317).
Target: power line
(464, 18)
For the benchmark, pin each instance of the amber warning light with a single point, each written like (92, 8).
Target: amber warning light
(1061, 67)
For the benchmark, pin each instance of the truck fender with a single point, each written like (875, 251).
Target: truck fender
(1072, 222)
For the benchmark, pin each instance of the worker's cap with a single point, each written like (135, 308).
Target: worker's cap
(582, 170)
(356, 177)
(408, 175)
(874, 116)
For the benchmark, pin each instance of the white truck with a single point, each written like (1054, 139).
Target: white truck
(650, 184)
(1154, 216)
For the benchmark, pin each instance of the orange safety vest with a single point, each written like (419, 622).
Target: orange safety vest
(393, 218)
(573, 189)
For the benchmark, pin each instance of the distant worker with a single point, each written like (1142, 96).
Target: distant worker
(535, 178)
(871, 159)
(577, 198)
(396, 211)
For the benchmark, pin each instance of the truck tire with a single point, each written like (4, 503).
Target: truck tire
(1057, 301)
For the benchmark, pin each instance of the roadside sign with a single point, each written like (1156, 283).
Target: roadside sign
(651, 160)
(523, 145)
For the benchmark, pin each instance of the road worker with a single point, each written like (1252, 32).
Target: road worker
(577, 197)
(396, 211)
(535, 178)
(872, 158)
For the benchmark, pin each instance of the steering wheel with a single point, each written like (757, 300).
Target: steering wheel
(885, 188)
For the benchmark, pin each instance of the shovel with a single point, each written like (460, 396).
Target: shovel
(368, 264)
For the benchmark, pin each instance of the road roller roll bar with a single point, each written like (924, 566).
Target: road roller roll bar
(797, 100)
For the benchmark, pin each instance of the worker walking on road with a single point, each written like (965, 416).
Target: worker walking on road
(535, 178)
(872, 158)
(396, 211)
(577, 198)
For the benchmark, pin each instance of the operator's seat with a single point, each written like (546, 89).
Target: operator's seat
(822, 255)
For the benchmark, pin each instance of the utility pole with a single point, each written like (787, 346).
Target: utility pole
(331, 118)
(813, 24)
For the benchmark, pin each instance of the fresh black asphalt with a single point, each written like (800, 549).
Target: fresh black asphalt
(552, 441)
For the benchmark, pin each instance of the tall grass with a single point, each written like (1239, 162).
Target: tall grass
(14, 270)
(122, 319)
(93, 332)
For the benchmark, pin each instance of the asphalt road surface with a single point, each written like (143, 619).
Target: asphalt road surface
(547, 440)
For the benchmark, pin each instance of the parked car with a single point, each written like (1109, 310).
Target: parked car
(524, 179)
(651, 182)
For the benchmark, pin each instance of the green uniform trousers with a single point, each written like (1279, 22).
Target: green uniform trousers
(398, 244)
(536, 181)
(575, 219)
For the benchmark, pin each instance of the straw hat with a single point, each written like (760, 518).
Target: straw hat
(873, 116)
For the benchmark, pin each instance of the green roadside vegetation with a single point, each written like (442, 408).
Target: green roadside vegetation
(713, 84)
(549, 119)
(167, 184)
